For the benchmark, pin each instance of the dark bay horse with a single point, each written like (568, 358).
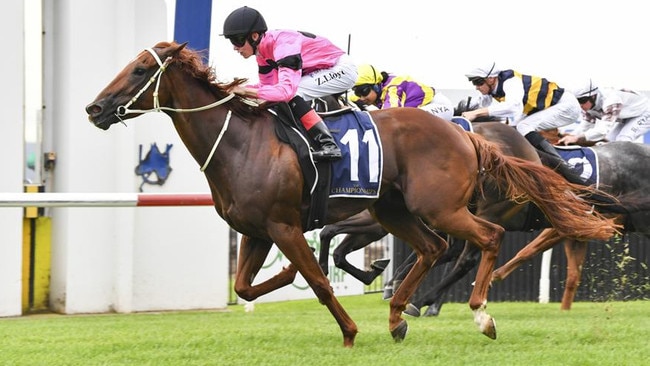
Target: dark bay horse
(620, 173)
(258, 187)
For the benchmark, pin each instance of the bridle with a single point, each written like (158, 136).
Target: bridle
(123, 110)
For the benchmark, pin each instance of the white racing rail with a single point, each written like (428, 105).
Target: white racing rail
(104, 199)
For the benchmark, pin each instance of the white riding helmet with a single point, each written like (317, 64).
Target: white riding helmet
(587, 90)
(485, 71)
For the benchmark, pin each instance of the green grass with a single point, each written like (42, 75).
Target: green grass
(304, 333)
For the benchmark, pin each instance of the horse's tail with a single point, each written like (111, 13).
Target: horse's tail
(562, 202)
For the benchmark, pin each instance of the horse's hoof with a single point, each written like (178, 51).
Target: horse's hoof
(485, 322)
(432, 311)
(399, 333)
(412, 310)
(380, 264)
(490, 329)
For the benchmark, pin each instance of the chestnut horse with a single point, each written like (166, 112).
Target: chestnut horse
(619, 174)
(257, 184)
(493, 206)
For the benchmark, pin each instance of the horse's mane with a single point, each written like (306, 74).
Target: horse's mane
(191, 62)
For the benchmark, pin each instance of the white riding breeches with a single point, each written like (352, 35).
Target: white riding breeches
(565, 112)
(336, 79)
(440, 106)
(630, 129)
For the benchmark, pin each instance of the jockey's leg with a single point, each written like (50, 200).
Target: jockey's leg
(556, 162)
(540, 143)
(316, 129)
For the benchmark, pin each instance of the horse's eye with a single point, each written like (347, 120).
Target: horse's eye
(139, 71)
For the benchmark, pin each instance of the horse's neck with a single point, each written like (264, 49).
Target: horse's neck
(198, 129)
(233, 151)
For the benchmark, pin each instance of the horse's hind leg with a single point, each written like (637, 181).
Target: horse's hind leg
(488, 238)
(466, 261)
(292, 244)
(252, 254)
(462, 224)
(425, 243)
(545, 240)
(575, 251)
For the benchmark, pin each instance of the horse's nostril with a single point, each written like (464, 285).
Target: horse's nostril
(93, 109)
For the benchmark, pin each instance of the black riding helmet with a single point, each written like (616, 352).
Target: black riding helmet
(243, 21)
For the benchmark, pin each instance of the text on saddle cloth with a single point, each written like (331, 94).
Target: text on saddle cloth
(358, 173)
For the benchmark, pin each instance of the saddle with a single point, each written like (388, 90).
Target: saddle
(333, 178)
(317, 176)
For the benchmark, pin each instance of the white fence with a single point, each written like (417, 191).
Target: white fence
(175, 275)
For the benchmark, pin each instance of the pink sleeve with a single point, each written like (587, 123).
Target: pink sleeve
(282, 84)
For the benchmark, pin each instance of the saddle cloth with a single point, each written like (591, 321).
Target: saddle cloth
(356, 175)
(463, 122)
(583, 160)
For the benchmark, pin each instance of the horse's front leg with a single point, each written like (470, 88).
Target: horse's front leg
(326, 235)
(352, 243)
(291, 242)
(252, 254)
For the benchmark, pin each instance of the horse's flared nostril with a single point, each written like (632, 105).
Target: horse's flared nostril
(93, 109)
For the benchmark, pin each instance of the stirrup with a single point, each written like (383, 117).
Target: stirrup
(327, 154)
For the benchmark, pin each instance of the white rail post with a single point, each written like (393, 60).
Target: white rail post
(544, 277)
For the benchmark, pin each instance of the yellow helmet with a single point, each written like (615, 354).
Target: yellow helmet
(368, 75)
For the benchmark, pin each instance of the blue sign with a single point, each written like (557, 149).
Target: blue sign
(192, 25)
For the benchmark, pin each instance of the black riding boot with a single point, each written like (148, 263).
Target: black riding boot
(328, 148)
(554, 161)
(316, 129)
(540, 143)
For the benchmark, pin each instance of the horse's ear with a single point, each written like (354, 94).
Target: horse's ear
(170, 49)
(178, 48)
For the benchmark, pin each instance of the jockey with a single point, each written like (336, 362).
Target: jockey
(609, 114)
(294, 67)
(383, 90)
(531, 103)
